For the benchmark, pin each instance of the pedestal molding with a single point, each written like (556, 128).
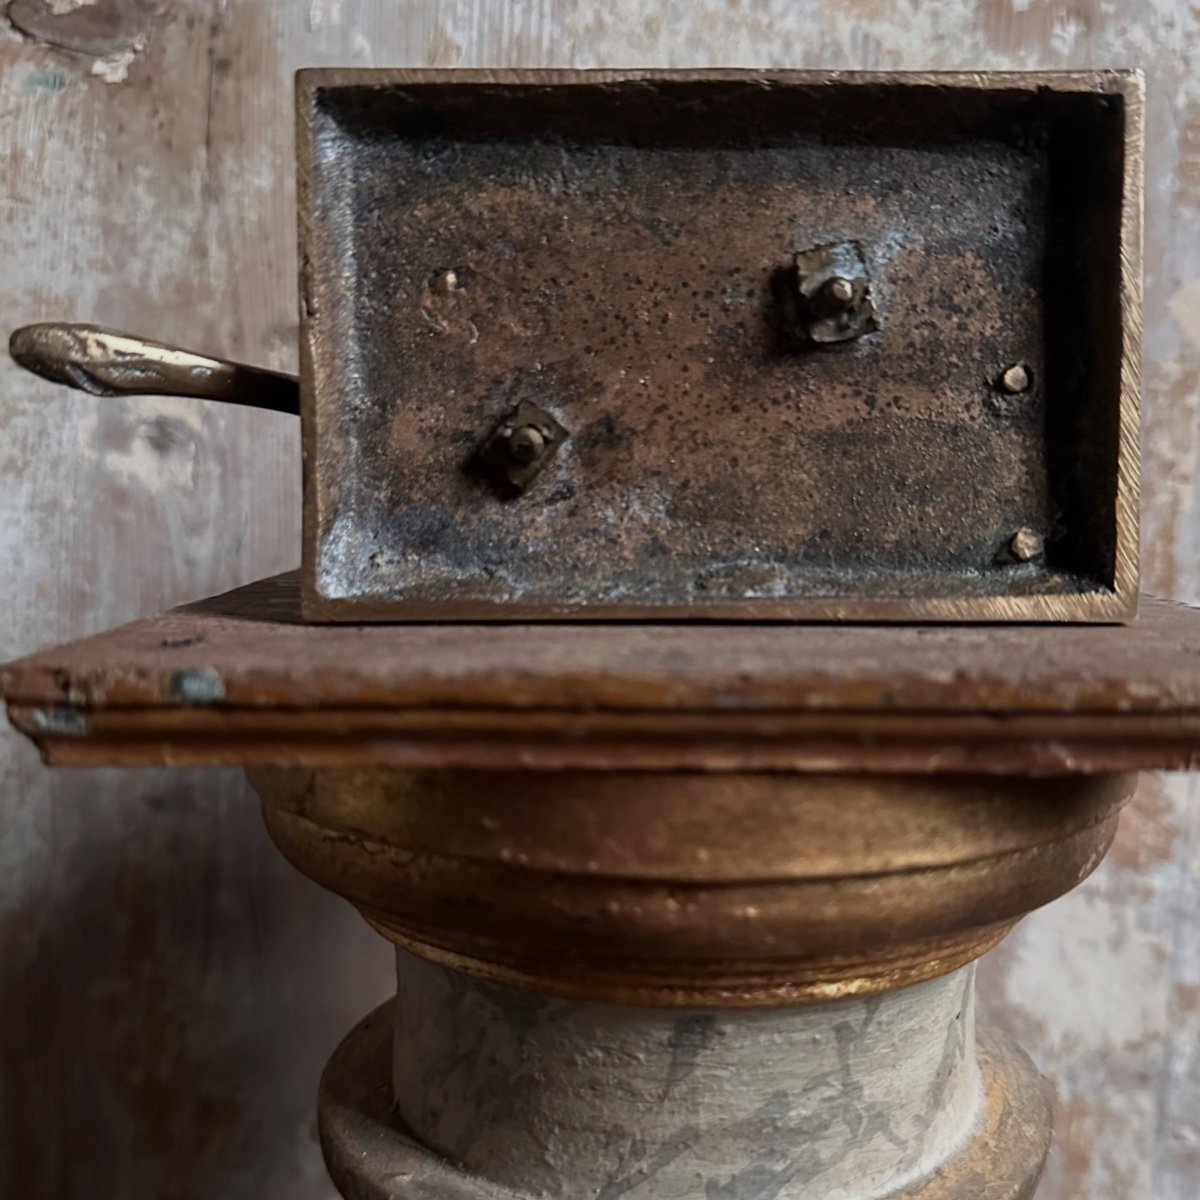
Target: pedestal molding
(688, 888)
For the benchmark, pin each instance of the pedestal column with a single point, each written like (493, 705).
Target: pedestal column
(557, 1097)
(670, 985)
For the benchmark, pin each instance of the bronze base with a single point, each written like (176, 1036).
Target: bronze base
(370, 1157)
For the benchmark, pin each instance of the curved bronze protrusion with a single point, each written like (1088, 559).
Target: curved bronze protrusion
(103, 362)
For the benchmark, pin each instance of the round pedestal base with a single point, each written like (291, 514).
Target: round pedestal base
(370, 1157)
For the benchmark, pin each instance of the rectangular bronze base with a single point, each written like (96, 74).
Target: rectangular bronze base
(755, 345)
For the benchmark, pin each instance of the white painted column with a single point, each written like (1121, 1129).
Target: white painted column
(567, 1100)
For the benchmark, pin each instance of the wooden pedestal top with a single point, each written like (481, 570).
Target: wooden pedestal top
(238, 679)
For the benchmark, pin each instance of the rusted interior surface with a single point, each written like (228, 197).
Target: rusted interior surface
(620, 254)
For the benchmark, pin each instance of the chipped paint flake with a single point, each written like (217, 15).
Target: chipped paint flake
(201, 685)
(115, 68)
(60, 721)
(152, 445)
(1068, 28)
(324, 14)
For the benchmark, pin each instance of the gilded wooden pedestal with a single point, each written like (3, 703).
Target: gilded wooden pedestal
(663, 985)
(679, 912)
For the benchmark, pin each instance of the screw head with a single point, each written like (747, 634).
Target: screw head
(1016, 379)
(1025, 545)
(833, 300)
(526, 443)
(839, 291)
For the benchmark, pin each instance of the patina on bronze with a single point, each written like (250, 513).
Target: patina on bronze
(518, 449)
(815, 336)
(833, 294)
(103, 362)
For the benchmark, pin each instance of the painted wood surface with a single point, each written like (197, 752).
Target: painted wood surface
(860, 1098)
(154, 1046)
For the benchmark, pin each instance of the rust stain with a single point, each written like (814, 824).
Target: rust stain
(1146, 838)
(1185, 1001)
(1164, 470)
(1187, 173)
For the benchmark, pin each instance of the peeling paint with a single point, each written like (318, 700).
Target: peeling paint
(154, 445)
(860, 1097)
(115, 69)
(46, 79)
(201, 685)
(60, 721)
(324, 14)
(1083, 950)
(85, 26)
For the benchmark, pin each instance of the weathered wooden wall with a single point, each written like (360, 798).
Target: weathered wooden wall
(168, 988)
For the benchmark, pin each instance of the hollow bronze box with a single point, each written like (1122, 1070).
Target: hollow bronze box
(719, 344)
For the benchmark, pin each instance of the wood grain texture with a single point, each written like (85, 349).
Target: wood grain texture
(241, 679)
(251, 648)
(162, 202)
(152, 1046)
(550, 1097)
